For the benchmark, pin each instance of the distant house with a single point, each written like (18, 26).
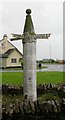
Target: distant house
(61, 61)
(10, 56)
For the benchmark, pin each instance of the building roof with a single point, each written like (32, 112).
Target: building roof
(3, 56)
(5, 35)
(8, 52)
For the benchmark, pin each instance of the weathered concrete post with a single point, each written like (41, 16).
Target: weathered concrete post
(29, 56)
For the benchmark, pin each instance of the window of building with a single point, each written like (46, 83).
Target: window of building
(13, 60)
(2, 44)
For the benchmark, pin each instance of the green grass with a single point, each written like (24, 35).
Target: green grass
(0, 78)
(50, 77)
(16, 78)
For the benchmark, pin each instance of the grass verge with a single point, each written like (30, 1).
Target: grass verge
(16, 78)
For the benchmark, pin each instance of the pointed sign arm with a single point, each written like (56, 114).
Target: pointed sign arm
(17, 37)
(42, 36)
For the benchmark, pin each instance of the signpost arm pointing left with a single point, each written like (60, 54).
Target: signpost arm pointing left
(16, 37)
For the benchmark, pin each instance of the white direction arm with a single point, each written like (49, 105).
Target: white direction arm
(42, 36)
(16, 37)
(37, 36)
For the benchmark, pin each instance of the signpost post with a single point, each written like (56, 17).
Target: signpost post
(29, 38)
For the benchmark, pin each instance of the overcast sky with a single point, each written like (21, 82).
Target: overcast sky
(47, 18)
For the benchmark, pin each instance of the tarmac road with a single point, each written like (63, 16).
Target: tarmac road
(50, 67)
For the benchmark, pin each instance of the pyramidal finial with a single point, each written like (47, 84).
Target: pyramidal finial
(28, 27)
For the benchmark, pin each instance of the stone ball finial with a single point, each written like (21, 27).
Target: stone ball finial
(28, 11)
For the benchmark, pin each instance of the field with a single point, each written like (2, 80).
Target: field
(16, 78)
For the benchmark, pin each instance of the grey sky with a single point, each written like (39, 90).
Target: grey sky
(47, 18)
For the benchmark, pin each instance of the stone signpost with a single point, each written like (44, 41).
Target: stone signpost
(29, 38)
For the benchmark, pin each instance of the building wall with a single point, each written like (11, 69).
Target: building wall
(3, 62)
(5, 45)
(0, 62)
(14, 55)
